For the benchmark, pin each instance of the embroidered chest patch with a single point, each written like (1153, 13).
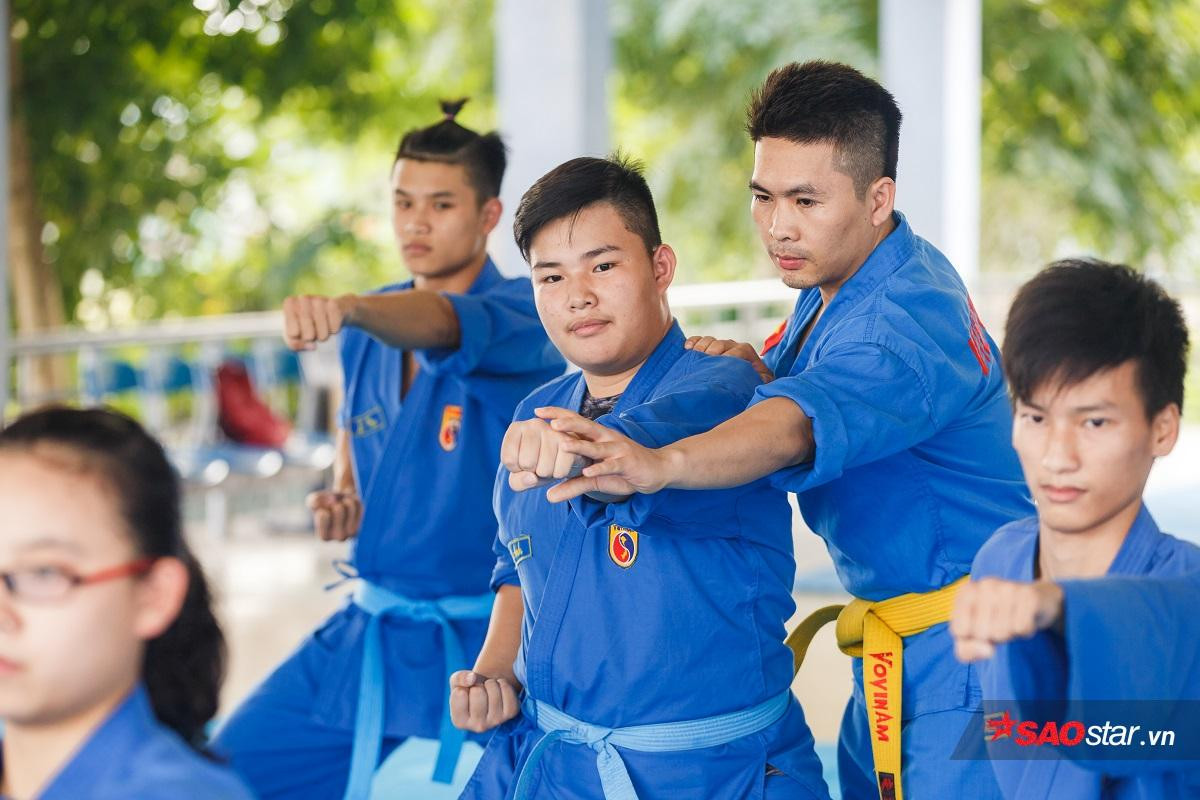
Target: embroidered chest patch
(520, 549)
(369, 422)
(451, 425)
(622, 546)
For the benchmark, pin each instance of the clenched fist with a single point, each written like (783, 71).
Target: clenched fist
(533, 454)
(336, 515)
(992, 611)
(479, 703)
(312, 318)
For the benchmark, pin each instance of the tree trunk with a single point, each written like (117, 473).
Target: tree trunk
(36, 293)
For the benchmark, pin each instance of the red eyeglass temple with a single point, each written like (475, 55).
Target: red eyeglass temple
(138, 567)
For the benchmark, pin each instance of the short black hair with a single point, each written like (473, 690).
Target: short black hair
(581, 182)
(1082, 316)
(820, 101)
(482, 155)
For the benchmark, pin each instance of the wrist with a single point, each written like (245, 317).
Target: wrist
(350, 306)
(490, 669)
(674, 464)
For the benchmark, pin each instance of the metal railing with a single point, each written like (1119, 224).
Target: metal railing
(744, 310)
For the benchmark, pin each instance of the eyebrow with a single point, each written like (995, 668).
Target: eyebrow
(1105, 406)
(442, 193)
(803, 188)
(597, 251)
(49, 542)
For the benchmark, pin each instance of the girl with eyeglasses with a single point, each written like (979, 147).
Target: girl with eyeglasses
(110, 656)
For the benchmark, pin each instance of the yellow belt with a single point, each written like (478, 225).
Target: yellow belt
(873, 631)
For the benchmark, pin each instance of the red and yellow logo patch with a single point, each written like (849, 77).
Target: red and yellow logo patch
(451, 425)
(775, 338)
(622, 546)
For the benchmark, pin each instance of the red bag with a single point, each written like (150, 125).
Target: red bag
(241, 413)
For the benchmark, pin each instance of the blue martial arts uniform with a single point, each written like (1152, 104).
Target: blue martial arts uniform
(658, 609)
(133, 755)
(424, 466)
(1125, 638)
(913, 470)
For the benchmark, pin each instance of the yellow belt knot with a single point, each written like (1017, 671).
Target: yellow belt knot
(874, 631)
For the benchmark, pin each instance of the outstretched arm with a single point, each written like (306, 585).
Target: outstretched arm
(762, 439)
(412, 319)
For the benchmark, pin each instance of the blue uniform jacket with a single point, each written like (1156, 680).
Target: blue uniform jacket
(913, 467)
(661, 608)
(424, 467)
(1131, 636)
(133, 755)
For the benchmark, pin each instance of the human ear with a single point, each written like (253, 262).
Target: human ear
(1164, 429)
(160, 595)
(491, 210)
(662, 262)
(882, 196)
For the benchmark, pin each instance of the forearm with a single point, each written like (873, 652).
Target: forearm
(414, 319)
(343, 469)
(503, 639)
(762, 439)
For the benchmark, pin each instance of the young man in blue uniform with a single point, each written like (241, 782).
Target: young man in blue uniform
(647, 631)
(433, 370)
(1096, 357)
(886, 416)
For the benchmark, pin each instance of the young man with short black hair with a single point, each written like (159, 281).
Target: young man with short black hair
(1088, 602)
(650, 640)
(433, 369)
(887, 417)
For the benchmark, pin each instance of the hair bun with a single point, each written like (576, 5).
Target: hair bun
(451, 107)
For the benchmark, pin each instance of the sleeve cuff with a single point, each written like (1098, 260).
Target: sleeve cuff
(475, 330)
(830, 441)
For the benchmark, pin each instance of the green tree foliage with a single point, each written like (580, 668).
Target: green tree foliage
(213, 157)
(684, 71)
(210, 157)
(1089, 133)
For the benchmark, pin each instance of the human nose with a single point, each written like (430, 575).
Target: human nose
(415, 220)
(580, 295)
(1059, 452)
(785, 222)
(10, 621)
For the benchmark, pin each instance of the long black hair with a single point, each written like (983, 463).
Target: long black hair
(184, 666)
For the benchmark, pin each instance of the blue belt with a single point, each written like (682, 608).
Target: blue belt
(368, 721)
(660, 738)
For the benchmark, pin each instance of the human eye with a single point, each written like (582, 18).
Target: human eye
(551, 278)
(41, 582)
(805, 202)
(443, 205)
(759, 197)
(403, 202)
(1031, 417)
(1095, 423)
(605, 267)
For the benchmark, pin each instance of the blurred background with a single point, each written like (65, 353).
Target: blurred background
(176, 169)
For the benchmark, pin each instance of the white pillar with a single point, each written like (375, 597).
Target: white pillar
(5, 360)
(930, 51)
(552, 61)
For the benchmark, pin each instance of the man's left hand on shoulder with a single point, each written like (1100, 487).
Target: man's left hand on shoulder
(728, 347)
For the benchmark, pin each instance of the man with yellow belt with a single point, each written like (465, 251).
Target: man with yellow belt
(885, 413)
